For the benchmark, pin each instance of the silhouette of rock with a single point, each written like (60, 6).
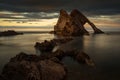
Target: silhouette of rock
(31, 67)
(73, 24)
(79, 56)
(9, 33)
(47, 46)
(44, 67)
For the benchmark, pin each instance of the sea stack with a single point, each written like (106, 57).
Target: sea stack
(73, 24)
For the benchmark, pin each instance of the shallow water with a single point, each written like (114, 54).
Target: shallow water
(104, 49)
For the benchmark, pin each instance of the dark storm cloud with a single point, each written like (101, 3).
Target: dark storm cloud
(88, 6)
(30, 15)
(39, 15)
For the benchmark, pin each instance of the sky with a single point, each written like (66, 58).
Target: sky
(46, 12)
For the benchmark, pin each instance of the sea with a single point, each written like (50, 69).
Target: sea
(104, 49)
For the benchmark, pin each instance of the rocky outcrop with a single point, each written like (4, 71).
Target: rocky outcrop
(79, 56)
(44, 67)
(73, 24)
(47, 46)
(9, 33)
(31, 67)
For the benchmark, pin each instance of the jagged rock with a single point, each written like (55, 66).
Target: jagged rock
(63, 19)
(47, 46)
(73, 24)
(44, 67)
(79, 56)
(27, 67)
(9, 33)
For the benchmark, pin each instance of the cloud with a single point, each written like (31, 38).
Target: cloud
(90, 6)
(28, 15)
(43, 15)
(24, 17)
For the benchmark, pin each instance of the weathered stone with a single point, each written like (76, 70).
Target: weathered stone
(44, 67)
(63, 19)
(73, 24)
(79, 56)
(30, 67)
(46, 46)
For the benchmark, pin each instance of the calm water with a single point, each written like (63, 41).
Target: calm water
(104, 49)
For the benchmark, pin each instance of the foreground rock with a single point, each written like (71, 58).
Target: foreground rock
(73, 24)
(31, 67)
(9, 33)
(44, 67)
(79, 56)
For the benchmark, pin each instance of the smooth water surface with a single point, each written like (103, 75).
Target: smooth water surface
(104, 49)
(10, 46)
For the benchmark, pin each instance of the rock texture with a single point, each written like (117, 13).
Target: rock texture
(9, 33)
(79, 56)
(31, 67)
(47, 46)
(44, 67)
(73, 24)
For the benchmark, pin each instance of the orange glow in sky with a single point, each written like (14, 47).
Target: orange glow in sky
(50, 19)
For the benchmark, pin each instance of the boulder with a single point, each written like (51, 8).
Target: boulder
(44, 67)
(9, 33)
(47, 46)
(30, 67)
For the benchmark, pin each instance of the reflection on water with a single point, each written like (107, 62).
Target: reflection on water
(27, 29)
(10, 46)
(102, 48)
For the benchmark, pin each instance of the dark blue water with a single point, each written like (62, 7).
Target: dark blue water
(104, 49)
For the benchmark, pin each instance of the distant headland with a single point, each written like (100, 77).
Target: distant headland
(9, 33)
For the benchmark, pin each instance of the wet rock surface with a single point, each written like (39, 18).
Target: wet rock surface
(43, 67)
(32, 67)
(73, 24)
(47, 46)
(9, 33)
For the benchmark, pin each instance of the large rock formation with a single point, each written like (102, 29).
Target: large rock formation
(9, 33)
(73, 24)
